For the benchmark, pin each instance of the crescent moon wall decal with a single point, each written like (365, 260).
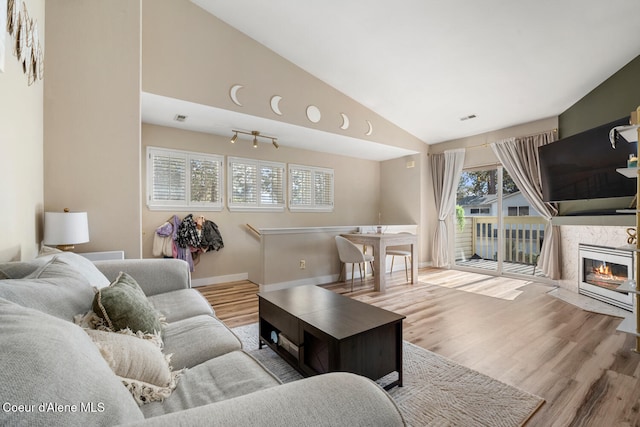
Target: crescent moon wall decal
(370, 131)
(275, 104)
(345, 121)
(233, 94)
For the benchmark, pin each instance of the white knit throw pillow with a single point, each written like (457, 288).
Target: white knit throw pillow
(139, 362)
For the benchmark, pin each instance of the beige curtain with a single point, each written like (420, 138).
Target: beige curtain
(519, 156)
(445, 171)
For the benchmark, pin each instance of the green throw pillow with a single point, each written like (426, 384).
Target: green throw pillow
(124, 305)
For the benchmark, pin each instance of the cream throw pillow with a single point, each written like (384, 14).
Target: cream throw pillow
(139, 362)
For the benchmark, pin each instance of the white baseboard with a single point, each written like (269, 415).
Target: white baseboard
(318, 280)
(216, 280)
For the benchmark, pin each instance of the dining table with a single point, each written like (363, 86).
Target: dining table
(380, 242)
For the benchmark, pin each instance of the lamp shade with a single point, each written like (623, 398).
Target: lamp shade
(65, 228)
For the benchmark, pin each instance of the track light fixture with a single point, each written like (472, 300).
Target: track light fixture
(256, 134)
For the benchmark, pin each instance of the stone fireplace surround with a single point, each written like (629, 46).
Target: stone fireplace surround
(572, 235)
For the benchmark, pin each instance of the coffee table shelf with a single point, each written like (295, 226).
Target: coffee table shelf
(318, 331)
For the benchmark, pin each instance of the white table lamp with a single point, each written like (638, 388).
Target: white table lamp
(65, 229)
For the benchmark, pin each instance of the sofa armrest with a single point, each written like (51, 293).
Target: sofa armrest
(155, 276)
(325, 400)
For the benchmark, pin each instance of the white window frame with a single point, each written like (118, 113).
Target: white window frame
(313, 207)
(258, 205)
(186, 203)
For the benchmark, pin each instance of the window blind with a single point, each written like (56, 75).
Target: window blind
(205, 180)
(256, 184)
(181, 179)
(169, 177)
(272, 185)
(311, 188)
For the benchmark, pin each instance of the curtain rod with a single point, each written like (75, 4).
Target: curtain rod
(486, 144)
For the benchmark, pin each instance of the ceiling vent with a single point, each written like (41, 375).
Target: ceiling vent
(469, 117)
(180, 118)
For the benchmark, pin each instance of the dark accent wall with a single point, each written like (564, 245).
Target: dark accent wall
(615, 98)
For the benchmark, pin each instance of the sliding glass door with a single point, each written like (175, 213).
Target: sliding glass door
(497, 231)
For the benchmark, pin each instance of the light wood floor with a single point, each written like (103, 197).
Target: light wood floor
(574, 359)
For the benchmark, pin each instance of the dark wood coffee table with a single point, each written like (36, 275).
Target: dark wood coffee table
(318, 331)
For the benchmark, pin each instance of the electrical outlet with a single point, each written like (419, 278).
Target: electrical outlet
(303, 264)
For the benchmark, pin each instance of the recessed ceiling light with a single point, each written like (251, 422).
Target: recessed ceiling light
(180, 118)
(469, 117)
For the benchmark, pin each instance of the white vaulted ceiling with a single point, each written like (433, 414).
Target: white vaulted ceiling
(425, 64)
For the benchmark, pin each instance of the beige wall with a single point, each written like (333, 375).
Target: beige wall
(206, 58)
(92, 118)
(357, 199)
(92, 124)
(405, 186)
(21, 130)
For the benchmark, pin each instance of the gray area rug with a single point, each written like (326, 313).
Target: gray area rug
(436, 391)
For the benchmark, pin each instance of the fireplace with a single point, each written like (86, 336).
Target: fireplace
(602, 270)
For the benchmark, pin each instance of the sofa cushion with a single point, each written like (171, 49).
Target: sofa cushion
(230, 375)
(155, 276)
(198, 339)
(48, 361)
(20, 269)
(180, 304)
(334, 399)
(139, 362)
(123, 305)
(55, 288)
(87, 268)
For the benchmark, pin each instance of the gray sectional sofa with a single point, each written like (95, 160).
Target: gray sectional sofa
(54, 374)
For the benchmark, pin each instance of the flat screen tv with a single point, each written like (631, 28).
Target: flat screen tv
(583, 166)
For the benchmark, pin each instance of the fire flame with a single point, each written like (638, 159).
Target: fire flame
(603, 269)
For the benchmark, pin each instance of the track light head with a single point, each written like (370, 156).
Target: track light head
(275, 143)
(255, 142)
(234, 138)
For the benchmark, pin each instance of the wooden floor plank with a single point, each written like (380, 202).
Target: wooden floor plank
(574, 359)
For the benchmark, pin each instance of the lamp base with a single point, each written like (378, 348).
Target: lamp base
(65, 248)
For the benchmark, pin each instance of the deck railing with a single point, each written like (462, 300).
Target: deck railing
(523, 237)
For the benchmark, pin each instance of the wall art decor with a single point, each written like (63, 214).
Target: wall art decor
(26, 40)
(370, 131)
(233, 94)
(275, 104)
(345, 121)
(313, 114)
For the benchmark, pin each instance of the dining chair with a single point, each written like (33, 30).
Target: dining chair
(351, 254)
(395, 251)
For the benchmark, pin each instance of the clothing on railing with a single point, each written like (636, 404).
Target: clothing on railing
(163, 240)
(186, 239)
(188, 234)
(211, 237)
